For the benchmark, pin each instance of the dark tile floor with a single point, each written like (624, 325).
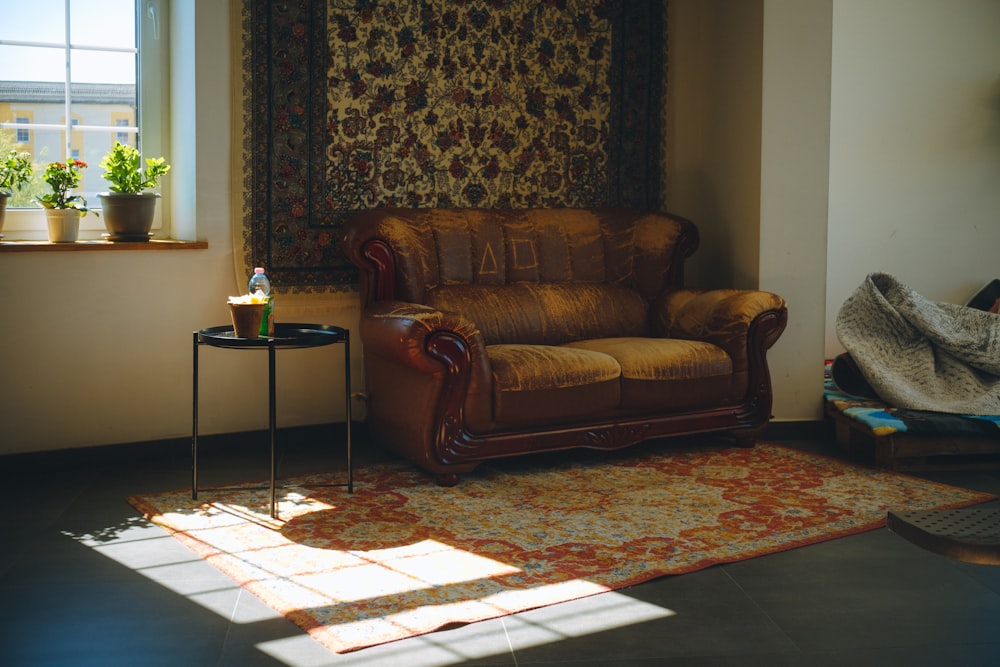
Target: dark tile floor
(85, 581)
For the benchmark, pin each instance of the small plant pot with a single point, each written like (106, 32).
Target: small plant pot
(63, 224)
(246, 319)
(128, 217)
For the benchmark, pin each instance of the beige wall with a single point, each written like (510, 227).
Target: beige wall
(748, 142)
(915, 148)
(879, 150)
(713, 134)
(795, 145)
(902, 157)
(95, 347)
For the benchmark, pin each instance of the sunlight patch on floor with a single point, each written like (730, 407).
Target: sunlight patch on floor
(146, 549)
(577, 618)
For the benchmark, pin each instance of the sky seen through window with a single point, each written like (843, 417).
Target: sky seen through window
(92, 22)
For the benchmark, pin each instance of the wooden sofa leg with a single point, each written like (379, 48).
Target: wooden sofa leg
(449, 479)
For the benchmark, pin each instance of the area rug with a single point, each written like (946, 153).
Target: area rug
(402, 557)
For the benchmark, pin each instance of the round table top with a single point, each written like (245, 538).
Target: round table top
(286, 335)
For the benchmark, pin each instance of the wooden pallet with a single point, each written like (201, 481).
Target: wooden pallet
(904, 451)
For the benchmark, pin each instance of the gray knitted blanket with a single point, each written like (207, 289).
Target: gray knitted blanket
(921, 354)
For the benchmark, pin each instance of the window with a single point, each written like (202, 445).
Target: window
(123, 137)
(21, 135)
(76, 76)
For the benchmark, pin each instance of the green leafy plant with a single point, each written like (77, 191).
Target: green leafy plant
(123, 171)
(63, 177)
(15, 171)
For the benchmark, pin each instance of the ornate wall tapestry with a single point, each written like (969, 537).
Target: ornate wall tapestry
(355, 104)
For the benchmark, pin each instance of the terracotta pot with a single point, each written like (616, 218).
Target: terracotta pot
(128, 217)
(64, 224)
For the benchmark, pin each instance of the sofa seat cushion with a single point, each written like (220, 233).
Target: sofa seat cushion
(666, 373)
(551, 384)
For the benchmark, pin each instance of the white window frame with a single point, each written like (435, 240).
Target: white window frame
(152, 35)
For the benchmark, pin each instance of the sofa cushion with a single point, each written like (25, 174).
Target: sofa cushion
(440, 247)
(546, 314)
(551, 384)
(661, 358)
(667, 373)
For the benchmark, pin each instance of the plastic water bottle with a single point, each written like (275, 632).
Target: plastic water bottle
(259, 282)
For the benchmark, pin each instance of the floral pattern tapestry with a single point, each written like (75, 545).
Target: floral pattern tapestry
(356, 104)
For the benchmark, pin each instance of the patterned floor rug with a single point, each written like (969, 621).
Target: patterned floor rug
(402, 557)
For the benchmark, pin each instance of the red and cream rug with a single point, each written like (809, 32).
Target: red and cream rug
(402, 557)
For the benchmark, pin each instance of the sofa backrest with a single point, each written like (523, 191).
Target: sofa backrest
(546, 313)
(541, 275)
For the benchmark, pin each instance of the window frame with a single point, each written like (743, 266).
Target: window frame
(22, 120)
(152, 116)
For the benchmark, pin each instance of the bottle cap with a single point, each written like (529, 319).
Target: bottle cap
(258, 270)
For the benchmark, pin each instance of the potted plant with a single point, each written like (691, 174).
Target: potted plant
(128, 208)
(62, 209)
(15, 171)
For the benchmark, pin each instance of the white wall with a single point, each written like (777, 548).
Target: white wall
(915, 148)
(748, 128)
(95, 347)
(879, 140)
(713, 109)
(795, 144)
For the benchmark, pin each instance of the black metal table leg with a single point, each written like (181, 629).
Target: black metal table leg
(272, 416)
(347, 392)
(194, 419)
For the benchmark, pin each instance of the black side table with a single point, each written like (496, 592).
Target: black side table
(286, 336)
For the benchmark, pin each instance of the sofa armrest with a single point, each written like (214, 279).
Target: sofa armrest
(722, 317)
(428, 376)
(400, 332)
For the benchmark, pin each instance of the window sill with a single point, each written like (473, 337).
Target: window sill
(79, 246)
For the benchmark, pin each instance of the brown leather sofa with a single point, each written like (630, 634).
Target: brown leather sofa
(493, 333)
